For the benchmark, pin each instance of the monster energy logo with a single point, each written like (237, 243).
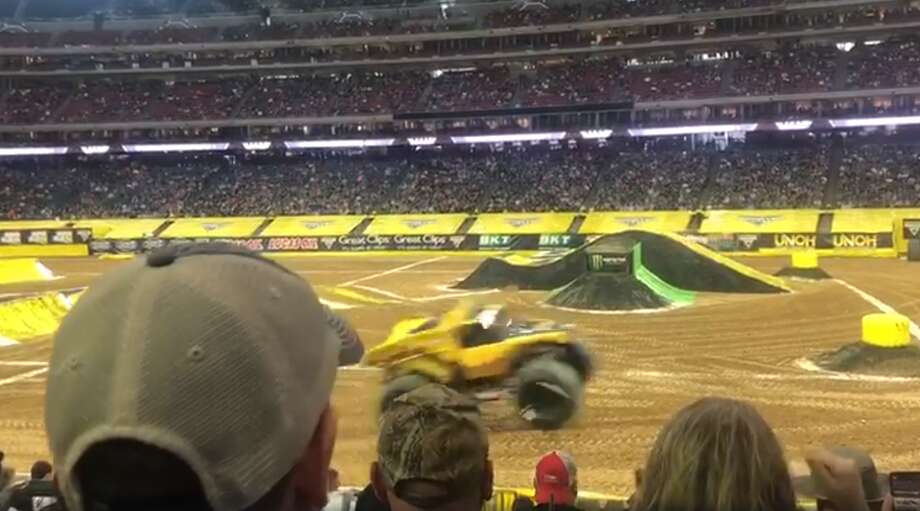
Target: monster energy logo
(606, 262)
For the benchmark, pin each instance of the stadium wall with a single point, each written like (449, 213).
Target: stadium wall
(862, 232)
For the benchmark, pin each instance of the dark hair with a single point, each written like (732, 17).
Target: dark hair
(125, 474)
(40, 469)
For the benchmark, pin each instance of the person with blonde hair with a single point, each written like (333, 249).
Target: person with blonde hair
(716, 455)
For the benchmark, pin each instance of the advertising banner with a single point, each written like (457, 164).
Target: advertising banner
(837, 241)
(45, 236)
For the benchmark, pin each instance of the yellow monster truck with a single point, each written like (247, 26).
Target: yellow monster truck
(478, 349)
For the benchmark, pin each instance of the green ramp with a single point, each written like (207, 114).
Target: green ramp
(671, 293)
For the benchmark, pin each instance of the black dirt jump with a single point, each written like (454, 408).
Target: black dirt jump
(599, 291)
(669, 259)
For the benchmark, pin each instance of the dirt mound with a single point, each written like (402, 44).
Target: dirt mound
(862, 358)
(803, 273)
(600, 291)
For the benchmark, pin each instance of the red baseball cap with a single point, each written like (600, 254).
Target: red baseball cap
(555, 478)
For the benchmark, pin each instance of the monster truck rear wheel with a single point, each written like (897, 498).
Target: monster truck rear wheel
(399, 386)
(549, 392)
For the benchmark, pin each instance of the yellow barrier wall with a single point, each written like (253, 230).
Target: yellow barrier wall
(522, 223)
(44, 251)
(212, 227)
(614, 222)
(864, 220)
(323, 225)
(760, 221)
(415, 224)
(122, 229)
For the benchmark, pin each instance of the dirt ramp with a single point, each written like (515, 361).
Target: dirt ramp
(541, 273)
(597, 291)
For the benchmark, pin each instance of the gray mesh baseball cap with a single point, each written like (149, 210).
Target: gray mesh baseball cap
(210, 352)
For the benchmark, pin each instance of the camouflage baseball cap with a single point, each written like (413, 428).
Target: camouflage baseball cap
(432, 435)
(210, 352)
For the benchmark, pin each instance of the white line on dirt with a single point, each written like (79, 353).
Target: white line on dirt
(23, 376)
(613, 313)
(6, 341)
(335, 305)
(384, 292)
(359, 369)
(23, 363)
(456, 295)
(392, 270)
(878, 304)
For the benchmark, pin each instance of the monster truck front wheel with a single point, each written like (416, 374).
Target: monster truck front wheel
(549, 392)
(398, 386)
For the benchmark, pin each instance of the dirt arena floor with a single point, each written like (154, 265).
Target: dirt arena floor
(744, 346)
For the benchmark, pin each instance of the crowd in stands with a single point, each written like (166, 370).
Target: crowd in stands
(790, 69)
(526, 179)
(229, 407)
(348, 20)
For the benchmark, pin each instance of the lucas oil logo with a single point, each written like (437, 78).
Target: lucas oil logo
(759, 220)
(415, 223)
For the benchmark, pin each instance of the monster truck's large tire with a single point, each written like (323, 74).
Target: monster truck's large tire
(352, 349)
(549, 392)
(399, 386)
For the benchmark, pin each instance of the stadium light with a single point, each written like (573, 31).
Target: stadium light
(498, 139)
(95, 149)
(794, 125)
(875, 121)
(422, 141)
(179, 148)
(32, 151)
(690, 130)
(596, 134)
(257, 146)
(340, 144)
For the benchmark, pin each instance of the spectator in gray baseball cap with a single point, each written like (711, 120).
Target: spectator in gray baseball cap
(197, 378)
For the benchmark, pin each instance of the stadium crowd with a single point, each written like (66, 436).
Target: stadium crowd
(789, 69)
(516, 179)
(352, 21)
(161, 436)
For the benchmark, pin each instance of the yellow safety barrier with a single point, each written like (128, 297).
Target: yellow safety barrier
(886, 330)
(760, 221)
(805, 260)
(522, 223)
(324, 225)
(122, 229)
(212, 227)
(415, 224)
(614, 222)
(29, 318)
(23, 270)
(909, 218)
(44, 251)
